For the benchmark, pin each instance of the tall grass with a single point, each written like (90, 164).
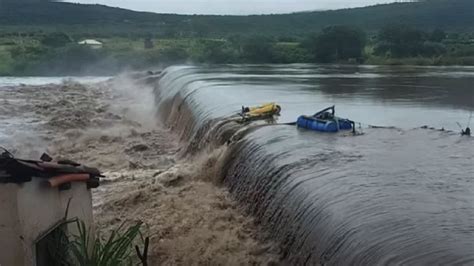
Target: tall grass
(83, 248)
(117, 249)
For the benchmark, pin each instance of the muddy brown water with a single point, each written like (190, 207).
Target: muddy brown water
(112, 126)
(401, 195)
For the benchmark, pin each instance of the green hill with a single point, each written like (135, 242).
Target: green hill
(449, 15)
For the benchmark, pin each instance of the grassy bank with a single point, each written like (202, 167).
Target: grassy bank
(422, 61)
(29, 55)
(42, 38)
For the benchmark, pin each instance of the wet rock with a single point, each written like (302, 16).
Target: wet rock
(139, 148)
(260, 250)
(133, 165)
(174, 181)
(170, 179)
(157, 173)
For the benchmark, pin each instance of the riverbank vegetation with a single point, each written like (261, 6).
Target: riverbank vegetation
(43, 41)
(59, 53)
(104, 21)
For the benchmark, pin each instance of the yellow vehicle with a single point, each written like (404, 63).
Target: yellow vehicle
(260, 112)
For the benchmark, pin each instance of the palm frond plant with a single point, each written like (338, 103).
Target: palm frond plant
(118, 249)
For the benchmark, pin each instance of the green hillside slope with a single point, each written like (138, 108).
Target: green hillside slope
(450, 15)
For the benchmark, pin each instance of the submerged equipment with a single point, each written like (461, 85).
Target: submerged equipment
(264, 111)
(466, 132)
(325, 121)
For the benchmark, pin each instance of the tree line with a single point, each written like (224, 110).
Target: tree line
(333, 44)
(453, 15)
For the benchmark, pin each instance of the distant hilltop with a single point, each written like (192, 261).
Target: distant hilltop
(44, 15)
(27, 1)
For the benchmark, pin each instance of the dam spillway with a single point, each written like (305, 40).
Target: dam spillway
(398, 195)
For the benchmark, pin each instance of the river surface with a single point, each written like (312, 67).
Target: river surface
(398, 195)
(401, 195)
(38, 81)
(13, 121)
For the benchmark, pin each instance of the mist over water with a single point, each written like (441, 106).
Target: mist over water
(18, 124)
(37, 81)
(390, 196)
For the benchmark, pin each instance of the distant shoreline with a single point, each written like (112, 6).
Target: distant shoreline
(93, 76)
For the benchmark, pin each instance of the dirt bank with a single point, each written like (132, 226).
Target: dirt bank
(112, 126)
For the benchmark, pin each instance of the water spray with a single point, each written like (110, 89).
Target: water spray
(469, 122)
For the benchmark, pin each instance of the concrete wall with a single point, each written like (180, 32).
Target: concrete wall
(29, 210)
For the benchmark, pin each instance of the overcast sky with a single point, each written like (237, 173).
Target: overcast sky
(234, 7)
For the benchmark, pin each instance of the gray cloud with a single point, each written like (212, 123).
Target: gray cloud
(235, 7)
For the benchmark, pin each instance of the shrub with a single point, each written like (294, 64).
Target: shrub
(213, 51)
(336, 43)
(257, 49)
(290, 53)
(85, 249)
(56, 39)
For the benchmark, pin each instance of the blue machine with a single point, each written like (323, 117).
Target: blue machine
(325, 121)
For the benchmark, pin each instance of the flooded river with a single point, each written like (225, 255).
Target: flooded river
(37, 81)
(14, 120)
(400, 195)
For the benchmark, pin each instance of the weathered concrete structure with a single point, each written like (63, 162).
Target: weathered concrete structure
(30, 210)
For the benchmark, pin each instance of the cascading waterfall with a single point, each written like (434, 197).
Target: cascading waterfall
(390, 196)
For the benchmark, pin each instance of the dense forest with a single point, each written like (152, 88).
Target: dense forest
(449, 15)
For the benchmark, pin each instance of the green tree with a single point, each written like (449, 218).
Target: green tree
(148, 42)
(257, 49)
(173, 55)
(336, 43)
(20, 52)
(433, 49)
(56, 40)
(290, 53)
(400, 41)
(438, 35)
(213, 51)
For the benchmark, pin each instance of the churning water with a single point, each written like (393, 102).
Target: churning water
(10, 113)
(37, 81)
(402, 195)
